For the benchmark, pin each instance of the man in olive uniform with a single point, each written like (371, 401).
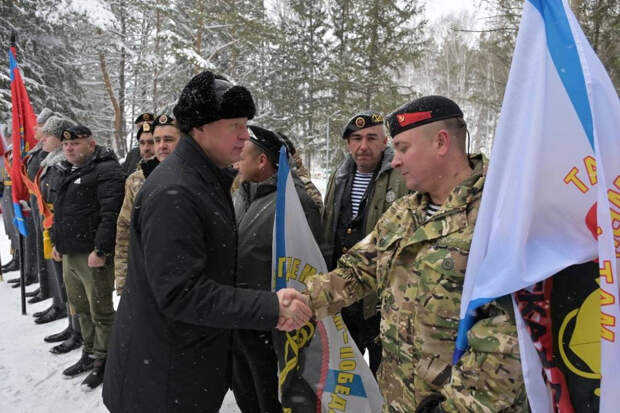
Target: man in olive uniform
(359, 192)
(415, 260)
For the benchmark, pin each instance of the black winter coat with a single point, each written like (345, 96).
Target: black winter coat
(86, 204)
(170, 349)
(255, 209)
(34, 162)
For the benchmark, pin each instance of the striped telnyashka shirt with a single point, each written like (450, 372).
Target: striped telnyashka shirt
(430, 210)
(361, 181)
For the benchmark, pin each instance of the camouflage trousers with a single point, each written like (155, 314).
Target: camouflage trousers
(89, 291)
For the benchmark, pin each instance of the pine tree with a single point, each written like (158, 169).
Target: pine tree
(45, 54)
(297, 87)
(374, 42)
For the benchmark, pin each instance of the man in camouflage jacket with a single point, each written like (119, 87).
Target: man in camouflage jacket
(165, 138)
(415, 259)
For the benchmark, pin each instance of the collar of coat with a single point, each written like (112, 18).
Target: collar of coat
(464, 192)
(453, 213)
(190, 151)
(254, 190)
(347, 167)
(409, 223)
(53, 157)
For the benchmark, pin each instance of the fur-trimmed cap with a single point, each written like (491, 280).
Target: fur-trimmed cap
(44, 115)
(421, 111)
(208, 98)
(55, 125)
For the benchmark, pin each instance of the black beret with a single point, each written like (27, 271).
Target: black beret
(145, 127)
(207, 98)
(421, 111)
(164, 120)
(145, 117)
(362, 120)
(76, 132)
(270, 142)
(288, 143)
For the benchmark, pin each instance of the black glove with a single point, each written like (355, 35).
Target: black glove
(431, 404)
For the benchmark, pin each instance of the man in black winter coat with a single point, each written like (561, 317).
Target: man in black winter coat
(89, 195)
(255, 364)
(171, 345)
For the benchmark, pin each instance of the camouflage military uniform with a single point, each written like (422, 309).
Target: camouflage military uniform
(132, 185)
(417, 267)
(304, 177)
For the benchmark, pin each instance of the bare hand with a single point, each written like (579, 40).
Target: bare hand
(294, 309)
(95, 261)
(56, 256)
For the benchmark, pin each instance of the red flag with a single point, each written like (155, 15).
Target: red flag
(24, 123)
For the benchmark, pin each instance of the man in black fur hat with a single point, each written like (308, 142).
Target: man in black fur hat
(171, 346)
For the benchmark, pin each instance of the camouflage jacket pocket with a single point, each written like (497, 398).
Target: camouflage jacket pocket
(433, 371)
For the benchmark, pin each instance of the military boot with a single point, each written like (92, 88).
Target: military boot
(12, 265)
(52, 315)
(29, 281)
(84, 364)
(62, 336)
(95, 378)
(33, 292)
(37, 298)
(41, 313)
(74, 341)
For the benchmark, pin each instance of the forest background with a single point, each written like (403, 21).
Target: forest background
(309, 64)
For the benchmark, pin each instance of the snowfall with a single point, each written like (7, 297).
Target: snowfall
(30, 376)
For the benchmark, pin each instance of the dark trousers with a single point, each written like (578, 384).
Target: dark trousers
(89, 291)
(30, 246)
(57, 283)
(255, 372)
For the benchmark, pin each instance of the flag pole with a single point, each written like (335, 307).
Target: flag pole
(22, 258)
(22, 277)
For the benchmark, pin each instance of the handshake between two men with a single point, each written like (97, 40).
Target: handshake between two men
(294, 309)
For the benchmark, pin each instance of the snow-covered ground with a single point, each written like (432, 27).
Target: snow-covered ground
(30, 376)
